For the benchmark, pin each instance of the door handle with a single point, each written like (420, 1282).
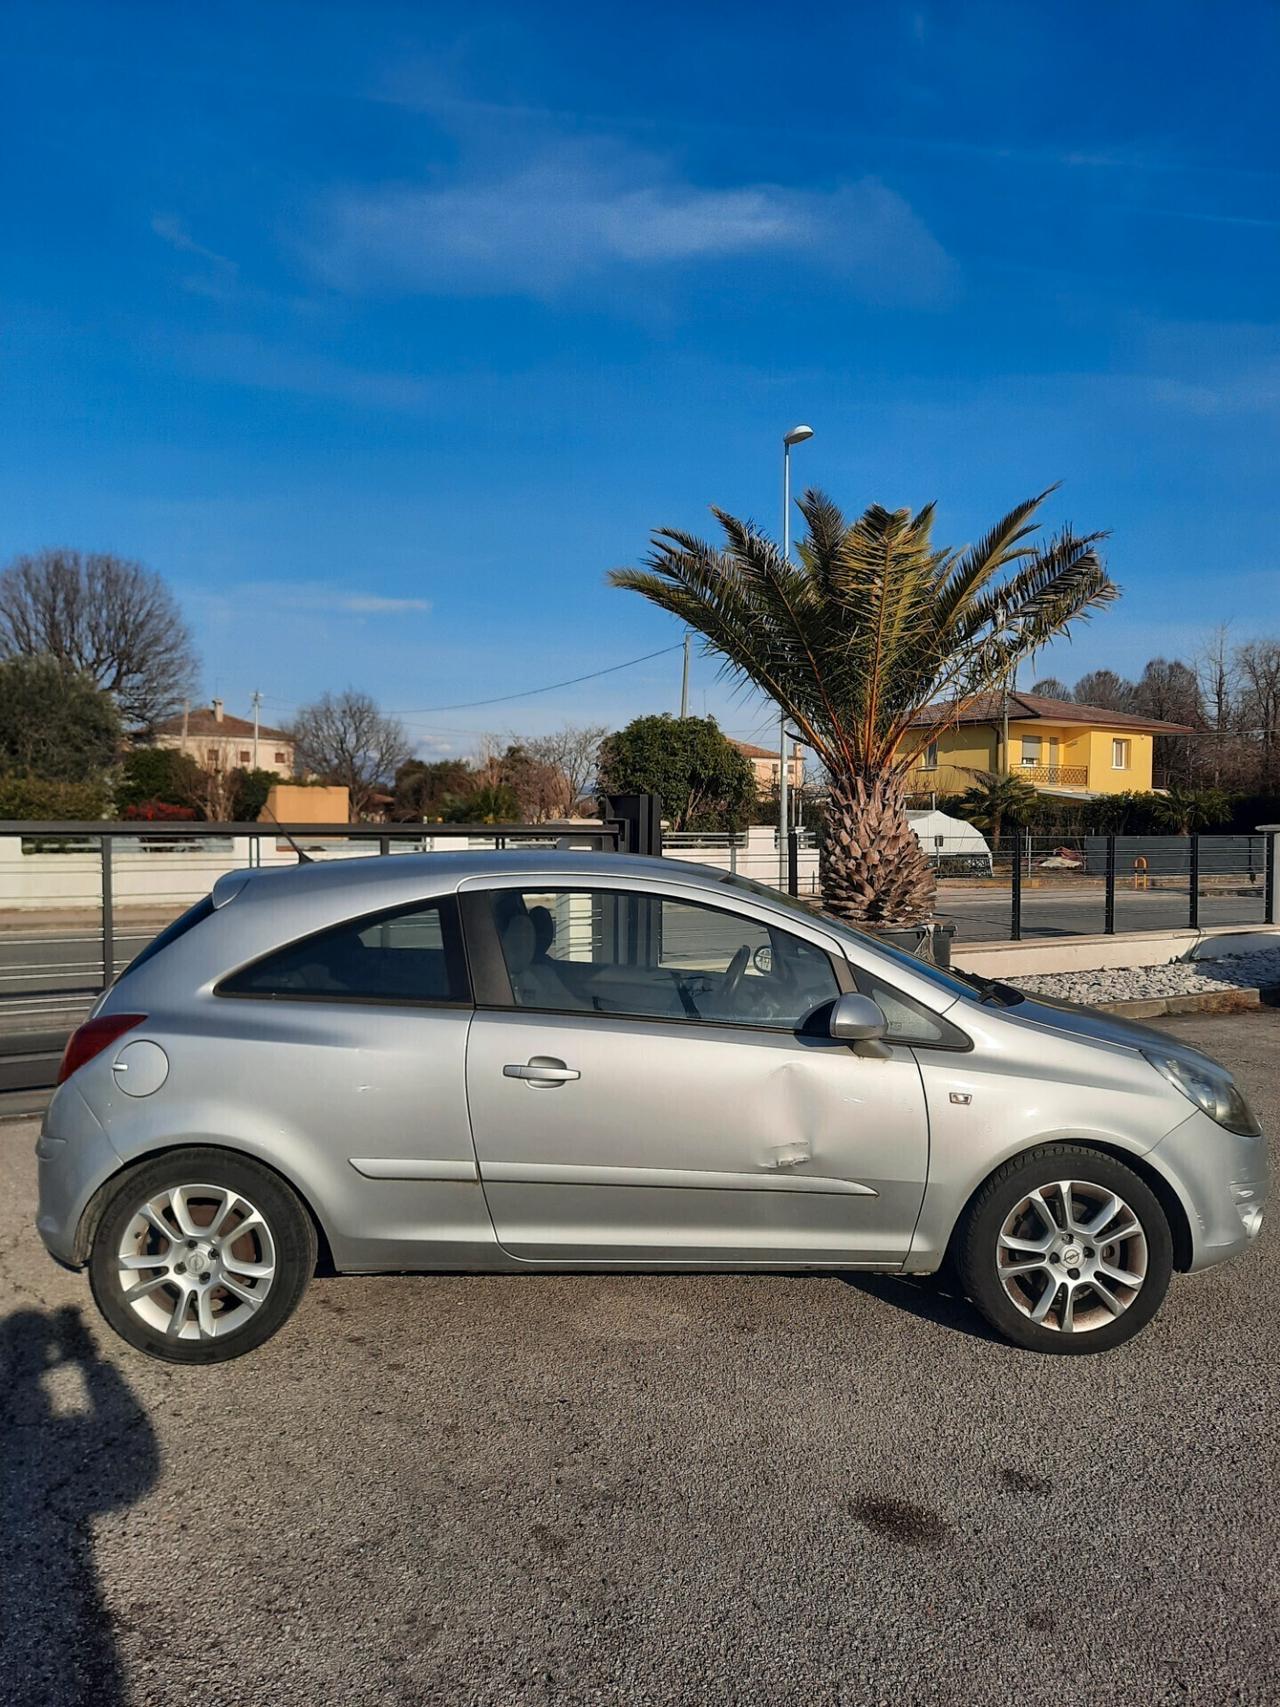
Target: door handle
(541, 1071)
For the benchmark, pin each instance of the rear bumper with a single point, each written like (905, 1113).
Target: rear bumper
(74, 1157)
(1221, 1179)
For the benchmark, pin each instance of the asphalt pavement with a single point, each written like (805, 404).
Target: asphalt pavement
(653, 1489)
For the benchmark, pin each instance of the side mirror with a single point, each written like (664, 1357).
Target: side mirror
(856, 1019)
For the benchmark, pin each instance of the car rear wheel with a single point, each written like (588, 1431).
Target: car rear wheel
(1066, 1250)
(201, 1255)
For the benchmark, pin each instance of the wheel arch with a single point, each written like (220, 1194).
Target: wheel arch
(91, 1215)
(1175, 1211)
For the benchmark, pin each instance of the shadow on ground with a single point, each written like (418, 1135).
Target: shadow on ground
(74, 1443)
(929, 1298)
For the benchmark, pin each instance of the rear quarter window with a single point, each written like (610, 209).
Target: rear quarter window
(411, 955)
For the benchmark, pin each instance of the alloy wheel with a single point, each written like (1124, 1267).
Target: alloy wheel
(196, 1262)
(1072, 1256)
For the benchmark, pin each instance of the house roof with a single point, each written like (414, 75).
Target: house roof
(200, 721)
(752, 752)
(1028, 707)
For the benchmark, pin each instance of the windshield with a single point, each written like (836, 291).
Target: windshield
(952, 982)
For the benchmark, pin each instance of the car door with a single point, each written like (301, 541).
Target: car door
(650, 1080)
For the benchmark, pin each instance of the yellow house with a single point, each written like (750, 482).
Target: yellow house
(1057, 746)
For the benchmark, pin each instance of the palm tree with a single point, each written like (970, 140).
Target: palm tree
(873, 623)
(994, 801)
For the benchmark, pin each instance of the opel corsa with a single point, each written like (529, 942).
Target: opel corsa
(556, 1061)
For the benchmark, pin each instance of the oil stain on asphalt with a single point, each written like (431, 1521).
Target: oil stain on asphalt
(901, 1520)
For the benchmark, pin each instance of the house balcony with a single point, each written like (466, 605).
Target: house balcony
(1054, 776)
(957, 779)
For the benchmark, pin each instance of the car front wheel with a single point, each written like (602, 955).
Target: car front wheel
(1066, 1250)
(201, 1255)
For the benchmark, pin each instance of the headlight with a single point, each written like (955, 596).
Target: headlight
(1211, 1089)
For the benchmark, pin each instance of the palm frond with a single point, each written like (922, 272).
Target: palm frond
(873, 621)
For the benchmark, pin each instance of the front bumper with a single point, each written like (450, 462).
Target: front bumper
(1221, 1179)
(74, 1157)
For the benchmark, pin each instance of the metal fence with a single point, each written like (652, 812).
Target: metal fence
(1057, 887)
(1039, 886)
(78, 901)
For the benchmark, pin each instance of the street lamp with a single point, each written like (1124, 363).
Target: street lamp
(796, 436)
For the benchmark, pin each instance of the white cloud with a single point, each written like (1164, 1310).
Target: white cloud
(572, 213)
(374, 605)
(314, 598)
(174, 232)
(217, 276)
(244, 360)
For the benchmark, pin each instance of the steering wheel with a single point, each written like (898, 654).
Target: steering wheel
(734, 972)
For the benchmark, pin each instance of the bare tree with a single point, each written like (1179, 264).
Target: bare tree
(108, 618)
(1106, 689)
(1051, 687)
(1218, 680)
(1258, 664)
(1169, 690)
(573, 752)
(344, 738)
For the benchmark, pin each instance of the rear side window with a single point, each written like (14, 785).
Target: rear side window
(411, 955)
(181, 925)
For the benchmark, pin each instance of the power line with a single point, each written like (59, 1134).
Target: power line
(527, 693)
(504, 699)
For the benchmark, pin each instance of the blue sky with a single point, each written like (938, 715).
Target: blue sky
(383, 331)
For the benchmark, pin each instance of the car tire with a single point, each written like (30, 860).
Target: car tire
(201, 1255)
(1065, 1250)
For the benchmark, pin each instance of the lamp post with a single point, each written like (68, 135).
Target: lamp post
(796, 436)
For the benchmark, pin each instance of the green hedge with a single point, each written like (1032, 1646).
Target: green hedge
(29, 797)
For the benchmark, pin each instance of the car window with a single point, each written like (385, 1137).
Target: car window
(615, 951)
(410, 955)
(951, 982)
(906, 1020)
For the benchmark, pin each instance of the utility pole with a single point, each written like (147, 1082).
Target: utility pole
(257, 716)
(796, 436)
(684, 680)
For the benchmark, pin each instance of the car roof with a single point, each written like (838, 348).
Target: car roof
(440, 873)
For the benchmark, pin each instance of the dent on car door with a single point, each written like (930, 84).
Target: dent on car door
(650, 1078)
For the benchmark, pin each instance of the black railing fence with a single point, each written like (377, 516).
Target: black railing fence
(79, 901)
(1104, 885)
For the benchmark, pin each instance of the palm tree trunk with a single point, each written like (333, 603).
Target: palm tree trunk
(871, 867)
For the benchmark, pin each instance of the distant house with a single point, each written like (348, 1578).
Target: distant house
(1057, 746)
(766, 767)
(218, 741)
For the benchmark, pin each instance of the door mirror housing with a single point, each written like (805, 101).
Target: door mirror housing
(856, 1019)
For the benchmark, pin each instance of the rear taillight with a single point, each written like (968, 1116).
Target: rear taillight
(92, 1038)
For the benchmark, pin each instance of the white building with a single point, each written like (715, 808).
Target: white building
(219, 742)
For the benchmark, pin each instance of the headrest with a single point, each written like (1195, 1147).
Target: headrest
(544, 926)
(519, 942)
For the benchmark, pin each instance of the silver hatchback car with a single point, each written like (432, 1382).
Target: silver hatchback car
(509, 1061)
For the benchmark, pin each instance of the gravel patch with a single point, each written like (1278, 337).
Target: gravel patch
(1137, 983)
